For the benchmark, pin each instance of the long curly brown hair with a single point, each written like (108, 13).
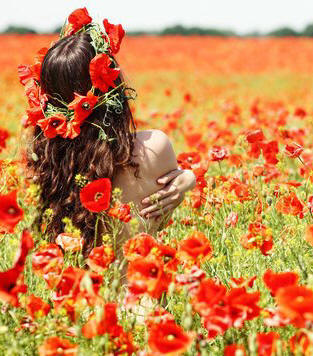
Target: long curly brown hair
(65, 70)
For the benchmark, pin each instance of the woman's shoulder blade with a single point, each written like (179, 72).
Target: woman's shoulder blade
(153, 149)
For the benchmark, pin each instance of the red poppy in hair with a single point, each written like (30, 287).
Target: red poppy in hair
(10, 212)
(101, 74)
(32, 117)
(83, 105)
(78, 19)
(115, 34)
(95, 196)
(53, 126)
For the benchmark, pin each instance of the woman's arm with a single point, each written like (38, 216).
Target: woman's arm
(175, 184)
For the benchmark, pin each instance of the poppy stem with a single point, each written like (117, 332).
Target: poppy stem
(301, 160)
(219, 164)
(96, 229)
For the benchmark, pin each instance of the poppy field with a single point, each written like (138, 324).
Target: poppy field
(232, 272)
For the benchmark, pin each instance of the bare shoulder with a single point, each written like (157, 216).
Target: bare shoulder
(153, 150)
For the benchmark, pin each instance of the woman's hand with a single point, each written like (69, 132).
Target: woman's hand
(175, 184)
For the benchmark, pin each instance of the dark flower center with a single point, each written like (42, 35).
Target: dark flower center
(86, 106)
(167, 258)
(55, 123)
(153, 272)
(98, 196)
(12, 210)
(171, 337)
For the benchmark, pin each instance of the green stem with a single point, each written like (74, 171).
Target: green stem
(96, 229)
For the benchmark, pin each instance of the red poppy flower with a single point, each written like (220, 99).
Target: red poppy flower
(4, 134)
(167, 338)
(187, 160)
(259, 236)
(270, 150)
(267, 343)
(11, 281)
(53, 125)
(243, 282)
(36, 98)
(218, 153)
(25, 73)
(36, 68)
(69, 285)
(290, 204)
(32, 116)
(96, 195)
(78, 19)
(107, 323)
(207, 296)
(195, 247)
(293, 150)
(36, 307)
(47, 262)
(300, 112)
(55, 346)
(83, 106)
(139, 246)
(301, 344)
(101, 74)
(100, 258)
(115, 34)
(187, 97)
(255, 136)
(231, 350)
(120, 211)
(242, 305)
(275, 281)
(295, 303)
(72, 129)
(217, 322)
(147, 275)
(169, 256)
(10, 213)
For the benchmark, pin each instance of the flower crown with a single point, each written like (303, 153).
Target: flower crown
(66, 121)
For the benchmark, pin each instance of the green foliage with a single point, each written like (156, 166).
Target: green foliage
(284, 32)
(187, 31)
(19, 30)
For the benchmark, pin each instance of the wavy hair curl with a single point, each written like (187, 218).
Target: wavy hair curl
(65, 70)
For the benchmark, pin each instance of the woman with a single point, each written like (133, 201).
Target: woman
(102, 144)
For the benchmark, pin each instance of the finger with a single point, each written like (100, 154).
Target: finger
(169, 176)
(161, 204)
(161, 212)
(161, 194)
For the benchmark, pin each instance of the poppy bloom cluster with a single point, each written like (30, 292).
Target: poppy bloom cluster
(221, 309)
(259, 236)
(66, 122)
(151, 265)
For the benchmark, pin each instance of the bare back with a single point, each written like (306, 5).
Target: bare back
(155, 156)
